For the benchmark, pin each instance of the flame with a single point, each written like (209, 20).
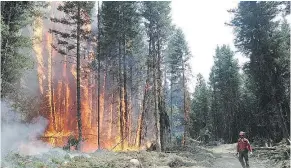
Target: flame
(138, 140)
(37, 33)
(57, 79)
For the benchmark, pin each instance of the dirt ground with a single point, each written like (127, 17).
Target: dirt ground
(227, 159)
(221, 156)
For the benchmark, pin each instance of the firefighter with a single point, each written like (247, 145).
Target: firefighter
(243, 147)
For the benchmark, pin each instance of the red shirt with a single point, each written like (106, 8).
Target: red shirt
(243, 144)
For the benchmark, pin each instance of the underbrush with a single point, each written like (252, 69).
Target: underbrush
(278, 157)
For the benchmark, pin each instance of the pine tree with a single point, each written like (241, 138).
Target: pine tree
(200, 107)
(178, 56)
(224, 82)
(77, 17)
(258, 37)
(15, 16)
(120, 26)
(157, 16)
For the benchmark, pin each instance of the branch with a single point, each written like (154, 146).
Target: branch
(63, 21)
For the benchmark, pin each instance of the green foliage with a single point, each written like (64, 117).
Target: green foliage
(158, 20)
(200, 107)
(15, 46)
(120, 23)
(72, 141)
(66, 39)
(224, 85)
(266, 42)
(177, 54)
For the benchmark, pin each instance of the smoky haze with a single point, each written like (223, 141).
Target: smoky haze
(20, 137)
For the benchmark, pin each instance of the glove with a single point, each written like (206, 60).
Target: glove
(251, 153)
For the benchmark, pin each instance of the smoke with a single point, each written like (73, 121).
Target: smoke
(20, 137)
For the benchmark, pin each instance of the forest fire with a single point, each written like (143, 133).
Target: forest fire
(57, 87)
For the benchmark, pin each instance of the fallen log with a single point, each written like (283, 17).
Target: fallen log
(264, 148)
(172, 151)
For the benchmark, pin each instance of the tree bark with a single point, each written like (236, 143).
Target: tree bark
(98, 78)
(159, 95)
(120, 95)
(283, 124)
(184, 104)
(143, 110)
(79, 119)
(125, 116)
(171, 122)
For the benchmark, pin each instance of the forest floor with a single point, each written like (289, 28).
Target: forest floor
(221, 156)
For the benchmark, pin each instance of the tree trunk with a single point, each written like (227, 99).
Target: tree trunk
(78, 80)
(141, 120)
(111, 109)
(171, 122)
(131, 101)
(125, 116)
(98, 78)
(143, 110)
(184, 104)
(104, 97)
(159, 95)
(120, 97)
(283, 124)
(52, 87)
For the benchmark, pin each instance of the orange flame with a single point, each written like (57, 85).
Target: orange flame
(57, 79)
(37, 33)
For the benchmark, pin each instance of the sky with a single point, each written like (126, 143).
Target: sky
(203, 25)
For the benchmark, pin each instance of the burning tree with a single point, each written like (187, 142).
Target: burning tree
(69, 41)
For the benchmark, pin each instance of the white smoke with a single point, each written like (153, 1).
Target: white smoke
(20, 137)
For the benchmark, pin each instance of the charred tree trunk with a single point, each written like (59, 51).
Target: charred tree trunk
(98, 78)
(125, 116)
(79, 119)
(147, 85)
(111, 108)
(131, 102)
(158, 94)
(154, 69)
(121, 124)
(52, 88)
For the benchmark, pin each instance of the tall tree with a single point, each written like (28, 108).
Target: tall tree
(76, 17)
(121, 22)
(157, 16)
(98, 57)
(200, 107)
(177, 62)
(224, 82)
(261, 38)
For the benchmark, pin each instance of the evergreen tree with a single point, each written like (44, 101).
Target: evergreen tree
(224, 82)
(200, 107)
(15, 16)
(120, 22)
(69, 43)
(265, 42)
(157, 23)
(178, 57)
